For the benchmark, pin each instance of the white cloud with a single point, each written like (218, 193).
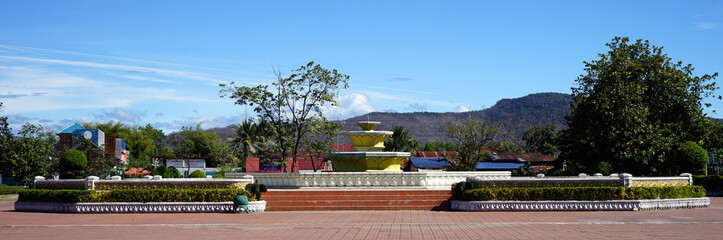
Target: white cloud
(351, 105)
(462, 108)
(705, 25)
(207, 122)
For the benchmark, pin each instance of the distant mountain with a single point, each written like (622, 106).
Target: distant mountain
(516, 115)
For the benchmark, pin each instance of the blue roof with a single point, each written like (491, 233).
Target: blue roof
(71, 128)
(499, 165)
(430, 162)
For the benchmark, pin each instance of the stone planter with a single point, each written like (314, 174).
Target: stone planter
(135, 207)
(572, 205)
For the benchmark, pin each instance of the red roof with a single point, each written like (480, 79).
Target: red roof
(437, 154)
(525, 157)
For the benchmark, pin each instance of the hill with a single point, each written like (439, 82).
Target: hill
(516, 115)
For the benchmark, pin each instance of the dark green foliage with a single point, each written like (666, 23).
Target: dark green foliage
(522, 170)
(197, 174)
(507, 147)
(195, 142)
(401, 141)
(159, 170)
(172, 172)
(581, 193)
(692, 158)
(541, 140)
(459, 188)
(72, 164)
(633, 107)
(142, 141)
(220, 174)
(31, 153)
(710, 183)
(5, 189)
(256, 189)
(146, 195)
(98, 162)
(604, 167)
(440, 146)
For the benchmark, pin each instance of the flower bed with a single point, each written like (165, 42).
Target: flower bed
(581, 193)
(151, 195)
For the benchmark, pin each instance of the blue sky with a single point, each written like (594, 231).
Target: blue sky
(160, 62)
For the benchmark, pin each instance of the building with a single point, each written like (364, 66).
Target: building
(70, 138)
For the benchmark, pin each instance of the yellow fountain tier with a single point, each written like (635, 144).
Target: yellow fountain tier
(368, 155)
(370, 141)
(368, 161)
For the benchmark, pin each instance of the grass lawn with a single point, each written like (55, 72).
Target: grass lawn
(8, 197)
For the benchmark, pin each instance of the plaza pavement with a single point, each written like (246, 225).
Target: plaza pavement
(701, 223)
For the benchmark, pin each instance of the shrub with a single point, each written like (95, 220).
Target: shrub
(220, 174)
(256, 189)
(5, 189)
(159, 170)
(137, 195)
(197, 174)
(581, 193)
(692, 158)
(460, 187)
(172, 172)
(72, 163)
(710, 183)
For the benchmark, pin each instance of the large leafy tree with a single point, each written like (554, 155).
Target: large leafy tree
(291, 102)
(631, 110)
(196, 142)
(471, 137)
(143, 142)
(30, 153)
(541, 139)
(322, 133)
(401, 141)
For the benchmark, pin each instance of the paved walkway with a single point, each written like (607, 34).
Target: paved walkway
(702, 223)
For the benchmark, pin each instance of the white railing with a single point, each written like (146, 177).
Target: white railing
(367, 179)
(157, 182)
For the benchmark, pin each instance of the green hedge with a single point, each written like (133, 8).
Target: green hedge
(5, 189)
(145, 195)
(710, 182)
(581, 193)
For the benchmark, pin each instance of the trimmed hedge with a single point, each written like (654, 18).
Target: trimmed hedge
(5, 189)
(581, 193)
(145, 195)
(710, 182)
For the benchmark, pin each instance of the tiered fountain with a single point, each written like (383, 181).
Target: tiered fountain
(367, 155)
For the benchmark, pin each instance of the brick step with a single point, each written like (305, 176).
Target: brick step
(356, 193)
(360, 197)
(356, 202)
(354, 208)
(321, 200)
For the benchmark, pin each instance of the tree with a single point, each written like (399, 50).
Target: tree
(253, 137)
(439, 146)
(471, 137)
(320, 138)
(507, 147)
(72, 164)
(293, 101)
(98, 162)
(27, 155)
(142, 142)
(632, 108)
(401, 141)
(692, 158)
(541, 140)
(195, 142)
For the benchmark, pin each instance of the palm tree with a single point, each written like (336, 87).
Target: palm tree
(253, 137)
(401, 141)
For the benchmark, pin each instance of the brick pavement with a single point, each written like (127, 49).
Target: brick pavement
(702, 223)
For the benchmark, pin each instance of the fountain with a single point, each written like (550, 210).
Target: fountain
(367, 155)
